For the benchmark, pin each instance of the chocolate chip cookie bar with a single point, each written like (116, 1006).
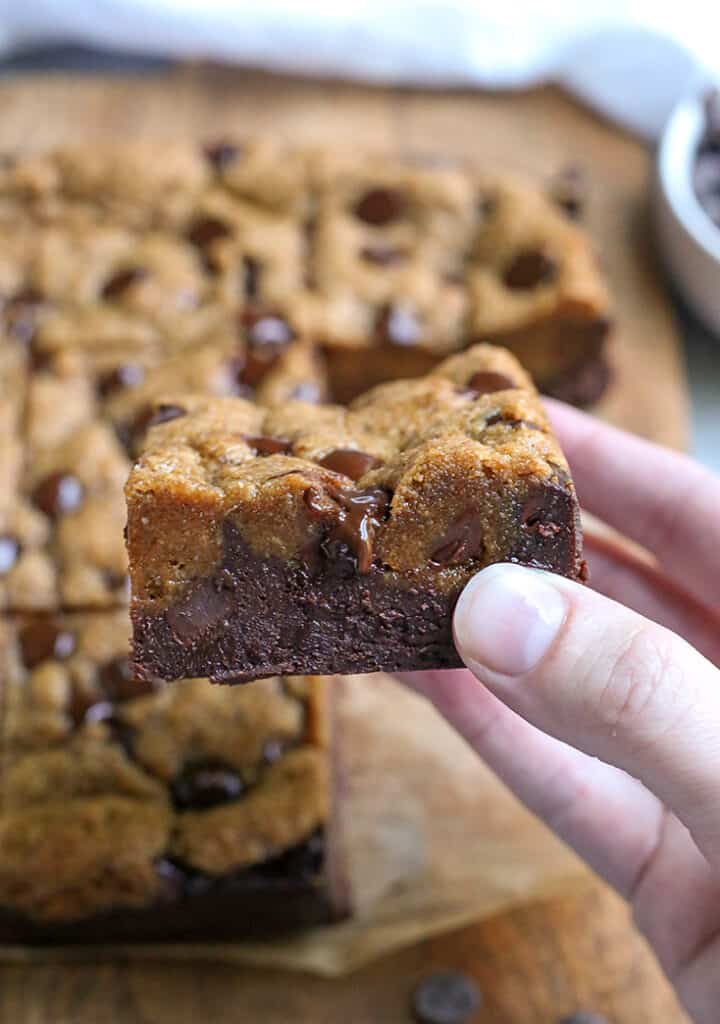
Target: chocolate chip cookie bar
(130, 811)
(330, 539)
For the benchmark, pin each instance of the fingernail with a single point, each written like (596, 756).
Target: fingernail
(507, 619)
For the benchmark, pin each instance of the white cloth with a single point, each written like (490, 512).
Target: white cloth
(631, 59)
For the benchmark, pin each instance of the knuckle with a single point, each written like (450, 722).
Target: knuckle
(641, 686)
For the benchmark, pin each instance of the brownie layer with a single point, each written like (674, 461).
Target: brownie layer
(262, 616)
(268, 899)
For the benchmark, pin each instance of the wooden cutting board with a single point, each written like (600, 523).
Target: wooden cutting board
(537, 963)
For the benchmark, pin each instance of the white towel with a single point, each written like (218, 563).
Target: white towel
(631, 59)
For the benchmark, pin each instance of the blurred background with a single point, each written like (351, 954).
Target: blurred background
(631, 62)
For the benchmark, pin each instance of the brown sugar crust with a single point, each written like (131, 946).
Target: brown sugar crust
(456, 471)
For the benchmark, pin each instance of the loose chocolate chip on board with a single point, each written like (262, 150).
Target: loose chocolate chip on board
(58, 494)
(222, 154)
(349, 462)
(119, 283)
(530, 268)
(484, 382)
(9, 552)
(127, 375)
(43, 639)
(380, 206)
(206, 784)
(398, 325)
(269, 445)
(583, 1017)
(446, 997)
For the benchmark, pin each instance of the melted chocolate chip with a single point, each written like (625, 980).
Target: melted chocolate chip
(118, 683)
(380, 206)
(274, 749)
(221, 154)
(206, 784)
(568, 190)
(266, 329)
(98, 711)
(534, 515)
(350, 521)
(530, 268)
(22, 313)
(446, 997)
(119, 283)
(382, 255)
(206, 230)
(349, 462)
(42, 639)
(127, 375)
(198, 610)
(172, 880)
(58, 494)
(463, 540)
(497, 417)
(9, 552)
(251, 278)
(398, 325)
(485, 382)
(269, 445)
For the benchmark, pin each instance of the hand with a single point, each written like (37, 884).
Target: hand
(601, 718)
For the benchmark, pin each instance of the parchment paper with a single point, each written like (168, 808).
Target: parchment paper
(433, 841)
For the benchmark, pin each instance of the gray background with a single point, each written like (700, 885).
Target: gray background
(701, 350)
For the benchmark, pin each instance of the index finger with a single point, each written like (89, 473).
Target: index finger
(661, 499)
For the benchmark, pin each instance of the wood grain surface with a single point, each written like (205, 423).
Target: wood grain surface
(538, 963)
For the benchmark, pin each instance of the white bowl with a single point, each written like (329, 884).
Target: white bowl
(689, 241)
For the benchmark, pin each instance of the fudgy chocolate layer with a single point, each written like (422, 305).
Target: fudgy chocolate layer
(261, 616)
(281, 895)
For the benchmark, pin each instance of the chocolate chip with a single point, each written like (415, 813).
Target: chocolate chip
(446, 997)
(534, 515)
(58, 494)
(119, 283)
(382, 255)
(274, 749)
(583, 1017)
(200, 608)
(251, 278)
(118, 682)
(485, 382)
(127, 375)
(164, 413)
(266, 329)
(380, 206)
(498, 417)
(306, 391)
(463, 540)
(398, 325)
(22, 314)
(205, 784)
(487, 205)
(206, 230)
(350, 521)
(172, 880)
(9, 552)
(349, 462)
(268, 445)
(568, 190)
(98, 711)
(42, 639)
(530, 268)
(221, 154)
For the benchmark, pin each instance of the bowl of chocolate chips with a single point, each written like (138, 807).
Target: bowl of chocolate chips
(687, 202)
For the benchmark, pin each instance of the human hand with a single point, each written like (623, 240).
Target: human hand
(597, 714)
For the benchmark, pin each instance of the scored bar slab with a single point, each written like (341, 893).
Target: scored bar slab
(310, 539)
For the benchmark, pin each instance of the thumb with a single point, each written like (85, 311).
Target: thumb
(602, 678)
